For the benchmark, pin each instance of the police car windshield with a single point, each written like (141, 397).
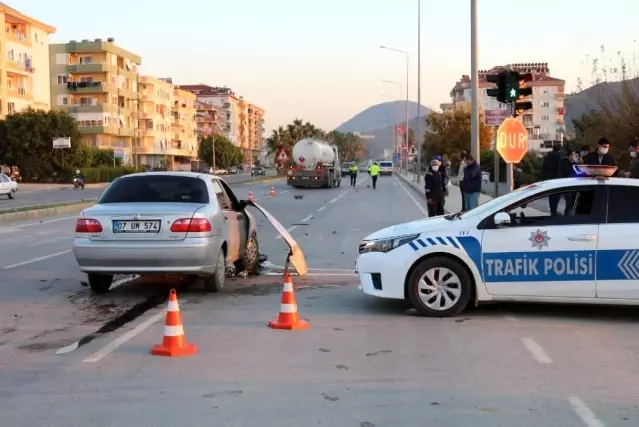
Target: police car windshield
(492, 205)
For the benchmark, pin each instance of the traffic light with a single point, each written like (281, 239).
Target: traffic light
(517, 91)
(500, 91)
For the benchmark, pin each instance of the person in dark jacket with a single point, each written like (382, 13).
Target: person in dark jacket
(434, 185)
(471, 184)
(601, 157)
(573, 159)
(633, 150)
(554, 167)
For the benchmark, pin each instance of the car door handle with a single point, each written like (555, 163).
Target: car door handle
(583, 238)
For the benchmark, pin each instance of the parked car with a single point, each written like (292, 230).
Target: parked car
(8, 187)
(233, 171)
(258, 171)
(166, 223)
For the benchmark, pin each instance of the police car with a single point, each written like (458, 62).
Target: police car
(513, 249)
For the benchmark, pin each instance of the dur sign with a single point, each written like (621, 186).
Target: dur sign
(512, 140)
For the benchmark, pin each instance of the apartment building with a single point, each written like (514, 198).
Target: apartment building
(155, 121)
(241, 122)
(184, 144)
(545, 121)
(206, 118)
(24, 63)
(97, 82)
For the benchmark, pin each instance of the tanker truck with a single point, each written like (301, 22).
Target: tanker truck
(317, 164)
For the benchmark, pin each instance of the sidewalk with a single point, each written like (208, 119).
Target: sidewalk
(454, 199)
(29, 187)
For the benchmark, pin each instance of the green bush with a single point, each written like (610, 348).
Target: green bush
(530, 167)
(105, 174)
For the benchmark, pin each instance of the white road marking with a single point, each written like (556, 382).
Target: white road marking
(31, 261)
(321, 209)
(308, 218)
(31, 224)
(584, 413)
(418, 204)
(113, 345)
(538, 353)
(120, 282)
(46, 233)
(334, 200)
(291, 228)
(511, 318)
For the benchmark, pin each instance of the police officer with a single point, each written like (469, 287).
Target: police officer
(633, 150)
(373, 171)
(434, 184)
(353, 171)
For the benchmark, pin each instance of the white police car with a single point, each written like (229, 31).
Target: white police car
(513, 249)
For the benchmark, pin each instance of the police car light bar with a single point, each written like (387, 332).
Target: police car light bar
(595, 171)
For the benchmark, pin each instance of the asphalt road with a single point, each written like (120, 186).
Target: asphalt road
(68, 194)
(363, 362)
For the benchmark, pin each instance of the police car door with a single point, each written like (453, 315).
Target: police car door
(618, 250)
(542, 255)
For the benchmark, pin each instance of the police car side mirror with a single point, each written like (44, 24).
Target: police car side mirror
(501, 218)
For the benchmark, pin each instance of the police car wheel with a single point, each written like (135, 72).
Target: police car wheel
(439, 287)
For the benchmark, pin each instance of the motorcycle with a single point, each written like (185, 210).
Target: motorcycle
(78, 183)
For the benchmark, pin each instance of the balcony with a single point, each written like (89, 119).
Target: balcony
(17, 36)
(89, 87)
(205, 119)
(91, 108)
(21, 68)
(20, 92)
(94, 67)
(560, 96)
(110, 130)
(206, 107)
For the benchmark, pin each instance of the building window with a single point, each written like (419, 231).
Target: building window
(545, 118)
(35, 35)
(10, 54)
(65, 101)
(545, 104)
(86, 60)
(62, 79)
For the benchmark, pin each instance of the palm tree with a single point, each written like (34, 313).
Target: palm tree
(278, 140)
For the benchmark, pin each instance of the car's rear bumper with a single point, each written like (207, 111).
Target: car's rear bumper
(189, 256)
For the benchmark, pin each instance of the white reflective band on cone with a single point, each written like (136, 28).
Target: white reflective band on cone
(288, 287)
(173, 306)
(173, 331)
(288, 308)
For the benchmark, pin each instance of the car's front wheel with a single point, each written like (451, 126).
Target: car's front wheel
(12, 194)
(439, 287)
(100, 283)
(250, 262)
(216, 281)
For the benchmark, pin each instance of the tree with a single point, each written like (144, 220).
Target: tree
(27, 142)
(449, 132)
(350, 146)
(226, 154)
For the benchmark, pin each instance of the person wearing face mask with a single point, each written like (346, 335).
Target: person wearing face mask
(601, 156)
(633, 150)
(573, 158)
(434, 185)
(584, 150)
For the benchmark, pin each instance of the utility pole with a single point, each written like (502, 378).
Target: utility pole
(418, 137)
(474, 88)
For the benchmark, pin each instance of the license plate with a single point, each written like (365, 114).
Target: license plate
(306, 177)
(152, 226)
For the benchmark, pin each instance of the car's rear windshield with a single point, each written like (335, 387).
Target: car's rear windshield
(386, 164)
(156, 189)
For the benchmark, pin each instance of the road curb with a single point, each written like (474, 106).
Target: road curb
(42, 212)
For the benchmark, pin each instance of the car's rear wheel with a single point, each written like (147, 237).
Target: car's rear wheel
(250, 262)
(12, 194)
(100, 283)
(216, 281)
(439, 287)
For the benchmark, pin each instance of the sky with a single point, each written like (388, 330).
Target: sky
(321, 61)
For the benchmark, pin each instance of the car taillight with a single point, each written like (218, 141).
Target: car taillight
(191, 225)
(84, 225)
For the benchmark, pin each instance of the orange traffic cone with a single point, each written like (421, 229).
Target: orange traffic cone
(271, 191)
(250, 196)
(288, 318)
(174, 342)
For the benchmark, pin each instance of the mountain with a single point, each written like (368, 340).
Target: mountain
(380, 116)
(384, 138)
(580, 103)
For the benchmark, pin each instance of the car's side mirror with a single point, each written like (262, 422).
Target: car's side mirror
(501, 218)
(243, 204)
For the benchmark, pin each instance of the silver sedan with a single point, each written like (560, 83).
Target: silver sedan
(166, 222)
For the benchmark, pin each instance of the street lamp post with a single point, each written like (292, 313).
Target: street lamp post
(419, 136)
(399, 86)
(407, 118)
(399, 119)
(474, 83)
